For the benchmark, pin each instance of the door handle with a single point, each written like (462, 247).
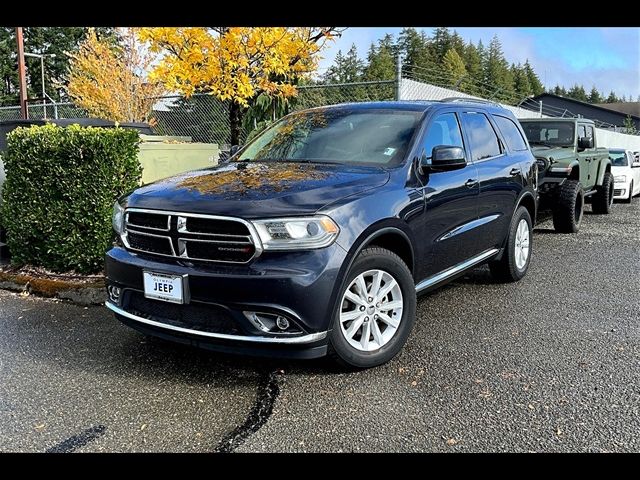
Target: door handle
(514, 172)
(471, 182)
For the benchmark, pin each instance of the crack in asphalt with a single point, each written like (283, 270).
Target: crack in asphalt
(77, 441)
(267, 393)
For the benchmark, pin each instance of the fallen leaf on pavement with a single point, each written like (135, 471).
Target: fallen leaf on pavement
(452, 441)
(144, 425)
(39, 428)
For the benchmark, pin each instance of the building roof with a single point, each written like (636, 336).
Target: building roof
(628, 108)
(599, 107)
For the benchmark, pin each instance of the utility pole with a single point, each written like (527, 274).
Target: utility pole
(398, 76)
(22, 74)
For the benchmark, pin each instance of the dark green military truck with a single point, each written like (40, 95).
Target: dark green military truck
(572, 169)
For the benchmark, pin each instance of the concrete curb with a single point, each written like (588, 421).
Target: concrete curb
(80, 293)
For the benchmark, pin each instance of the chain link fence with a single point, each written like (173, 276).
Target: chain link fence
(205, 118)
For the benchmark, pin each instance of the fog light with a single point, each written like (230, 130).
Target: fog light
(282, 323)
(114, 293)
(272, 323)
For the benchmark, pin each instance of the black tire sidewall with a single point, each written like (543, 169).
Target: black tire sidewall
(564, 212)
(628, 200)
(369, 259)
(603, 199)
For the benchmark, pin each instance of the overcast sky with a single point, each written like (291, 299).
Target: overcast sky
(608, 58)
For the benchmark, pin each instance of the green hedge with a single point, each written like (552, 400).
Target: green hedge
(60, 188)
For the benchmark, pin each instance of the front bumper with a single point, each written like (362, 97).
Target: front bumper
(297, 285)
(621, 190)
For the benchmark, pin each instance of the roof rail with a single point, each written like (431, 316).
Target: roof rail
(469, 99)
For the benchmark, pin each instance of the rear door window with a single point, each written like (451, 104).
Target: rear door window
(511, 133)
(484, 142)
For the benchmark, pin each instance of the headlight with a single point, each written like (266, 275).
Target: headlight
(118, 218)
(620, 179)
(296, 233)
(565, 169)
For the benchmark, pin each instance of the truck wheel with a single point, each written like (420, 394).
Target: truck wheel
(376, 310)
(515, 260)
(568, 208)
(603, 199)
(630, 197)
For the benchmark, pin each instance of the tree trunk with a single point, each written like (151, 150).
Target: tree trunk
(235, 122)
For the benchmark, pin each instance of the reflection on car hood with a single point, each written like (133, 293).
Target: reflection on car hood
(255, 189)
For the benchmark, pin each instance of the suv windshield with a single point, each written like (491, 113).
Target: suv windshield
(337, 135)
(554, 134)
(618, 159)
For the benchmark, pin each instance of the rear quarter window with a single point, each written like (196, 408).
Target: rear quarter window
(511, 133)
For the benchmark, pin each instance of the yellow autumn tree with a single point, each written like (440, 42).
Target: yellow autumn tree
(108, 80)
(236, 63)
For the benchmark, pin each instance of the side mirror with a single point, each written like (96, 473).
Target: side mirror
(585, 142)
(635, 164)
(227, 154)
(445, 157)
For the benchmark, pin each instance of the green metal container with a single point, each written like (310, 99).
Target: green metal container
(163, 157)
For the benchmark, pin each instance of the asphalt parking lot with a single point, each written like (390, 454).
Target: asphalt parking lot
(549, 364)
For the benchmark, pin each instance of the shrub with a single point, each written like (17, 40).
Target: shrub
(60, 188)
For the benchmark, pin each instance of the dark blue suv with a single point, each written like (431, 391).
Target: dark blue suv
(316, 237)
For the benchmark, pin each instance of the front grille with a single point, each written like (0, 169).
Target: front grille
(149, 243)
(194, 316)
(153, 221)
(193, 237)
(240, 252)
(216, 227)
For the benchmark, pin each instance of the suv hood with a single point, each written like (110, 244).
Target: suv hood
(542, 151)
(253, 190)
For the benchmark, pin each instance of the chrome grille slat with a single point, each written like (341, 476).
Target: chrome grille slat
(225, 247)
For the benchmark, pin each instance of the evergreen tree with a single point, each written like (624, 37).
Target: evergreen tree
(416, 55)
(630, 126)
(441, 42)
(521, 81)
(473, 62)
(346, 68)
(577, 92)
(381, 64)
(594, 95)
(534, 81)
(457, 43)
(497, 74)
(558, 90)
(612, 98)
(453, 66)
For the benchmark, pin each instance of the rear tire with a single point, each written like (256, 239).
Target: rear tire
(569, 207)
(388, 332)
(515, 260)
(603, 199)
(630, 197)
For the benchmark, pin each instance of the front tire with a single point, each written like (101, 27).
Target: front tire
(603, 199)
(376, 310)
(569, 207)
(630, 197)
(517, 255)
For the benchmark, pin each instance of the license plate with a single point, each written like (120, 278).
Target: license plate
(169, 288)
